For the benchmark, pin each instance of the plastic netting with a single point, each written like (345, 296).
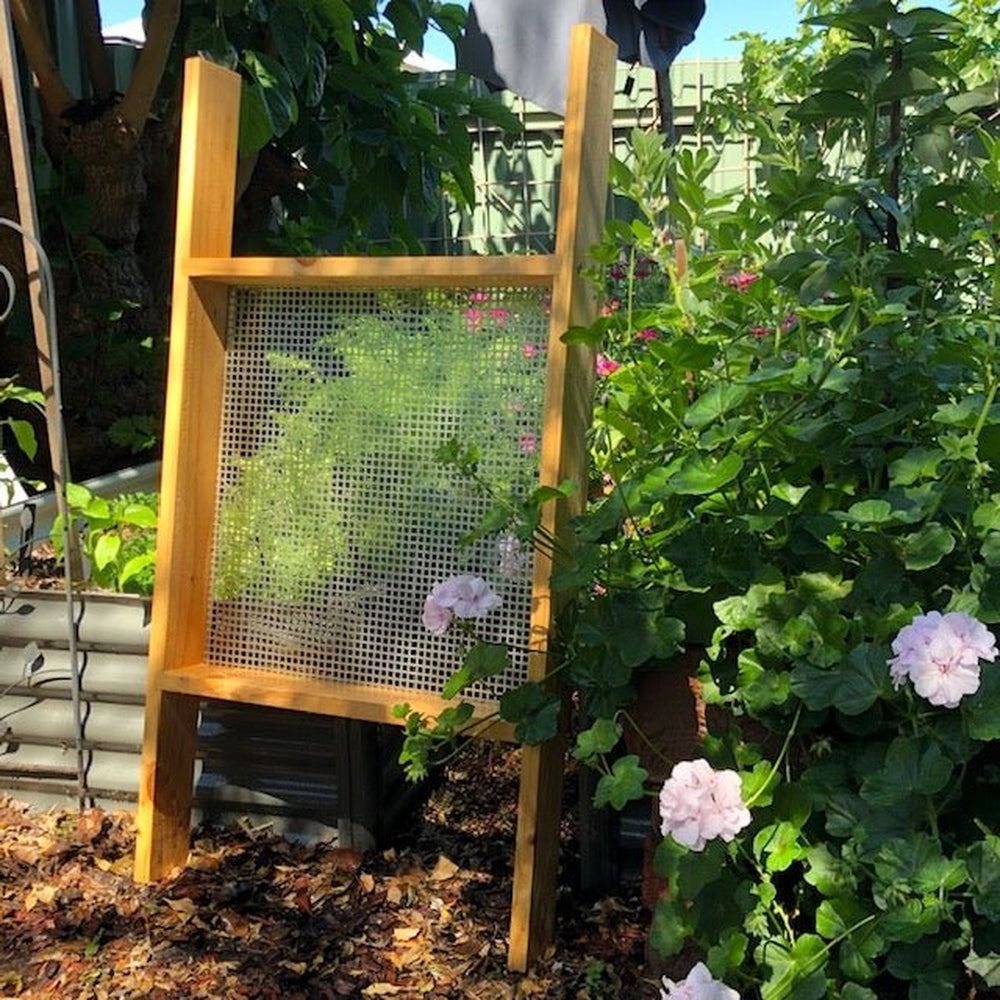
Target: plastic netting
(335, 512)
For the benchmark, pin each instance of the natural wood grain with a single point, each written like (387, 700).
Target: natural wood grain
(396, 272)
(569, 392)
(205, 201)
(373, 703)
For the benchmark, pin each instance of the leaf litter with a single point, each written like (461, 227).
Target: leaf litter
(255, 916)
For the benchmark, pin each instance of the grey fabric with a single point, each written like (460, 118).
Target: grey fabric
(523, 45)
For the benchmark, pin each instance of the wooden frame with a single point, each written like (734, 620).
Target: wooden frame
(204, 273)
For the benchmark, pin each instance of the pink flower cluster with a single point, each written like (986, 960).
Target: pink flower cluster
(698, 985)
(605, 366)
(742, 280)
(461, 596)
(939, 654)
(698, 804)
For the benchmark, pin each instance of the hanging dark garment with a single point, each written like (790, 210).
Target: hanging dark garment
(523, 45)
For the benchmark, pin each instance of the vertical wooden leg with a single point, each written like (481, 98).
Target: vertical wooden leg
(536, 854)
(163, 820)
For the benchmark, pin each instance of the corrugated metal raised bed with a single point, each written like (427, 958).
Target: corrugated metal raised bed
(306, 776)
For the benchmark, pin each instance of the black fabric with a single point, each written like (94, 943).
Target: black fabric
(523, 45)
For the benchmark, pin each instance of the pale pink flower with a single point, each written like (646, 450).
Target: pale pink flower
(940, 654)
(698, 804)
(699, 985)
(473, 317)
(436, 617)
(528, 443)
(480, 296)
(463, 596)
(605, 366)
(530, 350)
(610, 307)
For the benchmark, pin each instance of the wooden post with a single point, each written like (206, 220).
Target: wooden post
(205, 202)
(46, 347)
(583, 194)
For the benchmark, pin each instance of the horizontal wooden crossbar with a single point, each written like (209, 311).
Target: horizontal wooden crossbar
(318, 696)
(369, 272)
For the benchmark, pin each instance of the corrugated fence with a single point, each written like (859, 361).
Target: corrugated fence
(305, 776)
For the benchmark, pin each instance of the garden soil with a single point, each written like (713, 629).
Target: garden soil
(255, 916)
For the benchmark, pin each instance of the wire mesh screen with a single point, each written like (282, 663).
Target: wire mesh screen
(339, 502)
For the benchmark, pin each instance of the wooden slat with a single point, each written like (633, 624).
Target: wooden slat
(370, 703)
(205, 202)
(368, 272)
(569, 393)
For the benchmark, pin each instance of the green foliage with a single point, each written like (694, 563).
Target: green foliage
(802, 440)
(21, 430)
(796, 454)
(118, 537)
(324, 88)
(298, 512)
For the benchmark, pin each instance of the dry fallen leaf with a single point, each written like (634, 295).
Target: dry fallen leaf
(443, 870)
(382, 990)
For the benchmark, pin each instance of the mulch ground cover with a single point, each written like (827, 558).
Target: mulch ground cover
(256, 916)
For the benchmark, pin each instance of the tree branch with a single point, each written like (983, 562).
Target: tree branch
(95, 55)
(160, 29)
(32, 34)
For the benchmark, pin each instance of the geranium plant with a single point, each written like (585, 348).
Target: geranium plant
(796, 450)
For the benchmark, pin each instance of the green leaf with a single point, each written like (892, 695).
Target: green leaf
(915, 465)
(290, 35)
(870, 512)
(779, 845)
(796, 973)
(827, 104)
(671, 927)
(982, 861)
(914, 765)
(927, 547)
(981, 711)
(715, 403)
(851, 688)
(601, 738)
(729, 953)
(255, 122)
(139, 514)
(685, 353)
(907, 82)
(703, 474)
(274, 85)
(135, 566)
(830, 874)
(626, 783)
(533, 710)
(24, 435)
(78, 496)
(106, 550)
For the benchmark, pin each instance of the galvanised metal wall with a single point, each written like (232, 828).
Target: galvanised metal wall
(304, 776)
